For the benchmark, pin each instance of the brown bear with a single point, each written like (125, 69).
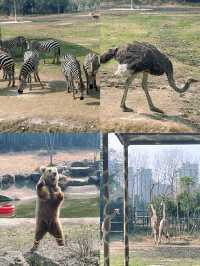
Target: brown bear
(49, 199)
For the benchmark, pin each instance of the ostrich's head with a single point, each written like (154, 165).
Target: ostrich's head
(107, 56)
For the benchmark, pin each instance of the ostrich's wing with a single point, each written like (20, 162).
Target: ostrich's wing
(141, 57)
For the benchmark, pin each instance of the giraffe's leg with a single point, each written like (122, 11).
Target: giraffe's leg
(123, 102)
(145, 88)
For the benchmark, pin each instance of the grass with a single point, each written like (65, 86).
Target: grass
(117, 260)
(176, 34)
(73, 38)
(72, 208)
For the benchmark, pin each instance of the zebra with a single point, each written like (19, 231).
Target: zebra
(47, 46)
(11, 45)
(71, 69)
(91, 66)
(7, 64)
(30, 66)
(28, 54)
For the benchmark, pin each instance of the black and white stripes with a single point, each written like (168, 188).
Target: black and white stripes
(11, 45)
(30, 66)
(91, 66)
(7, 64)
(72, 71)
(48, 46)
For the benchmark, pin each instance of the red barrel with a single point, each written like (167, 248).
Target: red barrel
(7, 210)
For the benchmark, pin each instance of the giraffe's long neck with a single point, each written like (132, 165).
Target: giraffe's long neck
(164, 211)
(153, 210)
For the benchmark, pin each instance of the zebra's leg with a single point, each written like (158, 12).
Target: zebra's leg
(87, 80)
(10, 79)
(13, 77)
(30, 82)
(54, 58)
(38, 78)
(35, 77)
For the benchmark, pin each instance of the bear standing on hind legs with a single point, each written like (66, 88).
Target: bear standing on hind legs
(49, 200)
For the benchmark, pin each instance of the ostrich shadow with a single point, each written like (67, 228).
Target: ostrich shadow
(173, 118)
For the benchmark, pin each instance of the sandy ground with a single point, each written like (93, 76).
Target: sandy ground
(13, 163)
(50, 108)
(181, 112)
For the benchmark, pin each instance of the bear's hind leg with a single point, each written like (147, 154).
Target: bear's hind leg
(41, 230)
(56, 231)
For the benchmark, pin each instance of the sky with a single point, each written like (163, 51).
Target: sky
(150, 153)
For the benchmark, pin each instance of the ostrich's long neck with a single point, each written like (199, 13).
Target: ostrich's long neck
(172, 83)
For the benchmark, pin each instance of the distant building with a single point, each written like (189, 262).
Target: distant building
(140, 183)
(190, 170)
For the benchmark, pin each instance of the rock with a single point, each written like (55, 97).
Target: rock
(77, 182)
(7, 181)
(20, 177)
(35, 176)
(13, 258)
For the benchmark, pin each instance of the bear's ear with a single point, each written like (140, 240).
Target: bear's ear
(42, 169)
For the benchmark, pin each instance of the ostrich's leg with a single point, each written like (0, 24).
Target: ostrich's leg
(145, 88)
(123, 102)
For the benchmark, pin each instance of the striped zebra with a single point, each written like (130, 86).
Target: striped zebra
(30, 66)
(7, 64)
(48, 46)
(91, 66)
(71, 69)
(11, 45)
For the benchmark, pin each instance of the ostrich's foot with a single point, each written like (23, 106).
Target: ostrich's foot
(126, 109)
(157, 110)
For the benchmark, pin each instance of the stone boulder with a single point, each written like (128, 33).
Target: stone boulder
(7, 181)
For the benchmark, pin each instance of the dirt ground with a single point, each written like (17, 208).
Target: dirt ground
(181, 112)
(51, 108)
(13, 163)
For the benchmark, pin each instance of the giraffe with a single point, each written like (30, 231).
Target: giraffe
(154, 223)
(163, 225)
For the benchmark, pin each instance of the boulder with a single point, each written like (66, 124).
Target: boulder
(12, 258)
(7, 181)
(34, 177)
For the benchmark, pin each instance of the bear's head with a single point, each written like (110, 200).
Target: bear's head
(50, 175)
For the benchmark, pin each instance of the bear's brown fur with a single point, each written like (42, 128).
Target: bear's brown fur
(49, 200)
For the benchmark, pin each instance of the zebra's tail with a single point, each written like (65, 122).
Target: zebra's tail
(107, 56)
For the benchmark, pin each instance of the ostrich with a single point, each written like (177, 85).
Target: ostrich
(163, 225)
(143, 58)
(154, 223)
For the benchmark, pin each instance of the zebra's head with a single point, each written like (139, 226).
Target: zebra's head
(80, 88)
(22, 84)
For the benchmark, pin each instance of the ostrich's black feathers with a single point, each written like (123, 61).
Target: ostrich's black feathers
(140, 57)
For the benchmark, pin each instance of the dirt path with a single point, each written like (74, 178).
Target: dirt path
(52, 108)
(181, 112)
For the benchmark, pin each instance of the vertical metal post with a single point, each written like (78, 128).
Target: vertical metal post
(15, 10)
(106, 222)
(126, 215)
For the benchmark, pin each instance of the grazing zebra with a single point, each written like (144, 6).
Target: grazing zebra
(71, 69)
(28, 54)
(11, 45)
(30, 66)
(91, 66)
(7, 64)
(48, 46)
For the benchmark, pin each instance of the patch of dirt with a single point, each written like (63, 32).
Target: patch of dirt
(181, 112)
(13, 163)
